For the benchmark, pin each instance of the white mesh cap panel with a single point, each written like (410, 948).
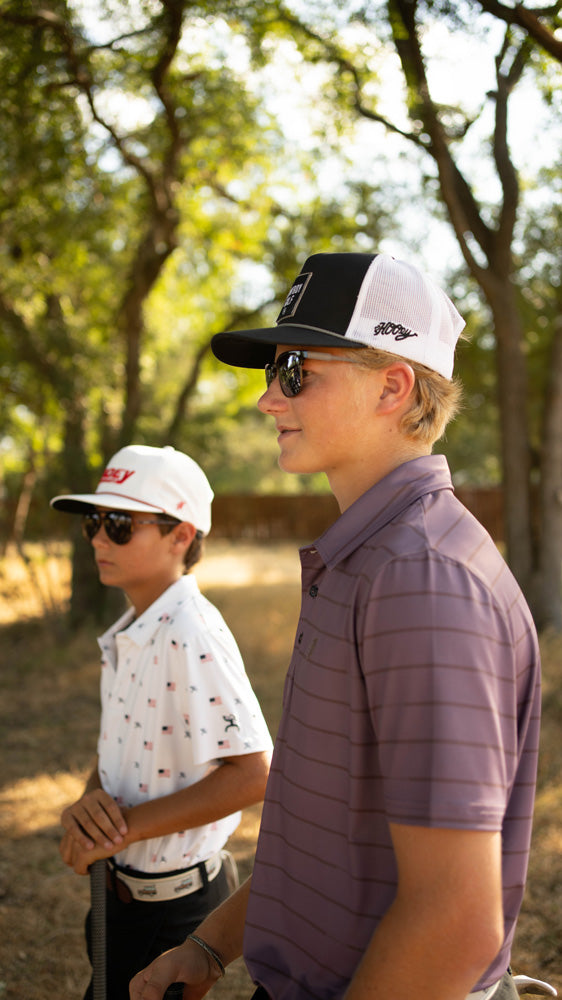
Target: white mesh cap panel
(400, 310)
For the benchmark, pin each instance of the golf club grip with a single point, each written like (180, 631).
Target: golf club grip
(97, 901)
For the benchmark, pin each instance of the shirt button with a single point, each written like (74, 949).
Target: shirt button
(313, 590)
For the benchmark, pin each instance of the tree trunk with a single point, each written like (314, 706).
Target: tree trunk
(512, 400)
(546, 590)
(24, 502)
(89, 600)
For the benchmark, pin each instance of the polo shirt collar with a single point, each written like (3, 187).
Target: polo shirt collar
(379, 505)
(141, 629)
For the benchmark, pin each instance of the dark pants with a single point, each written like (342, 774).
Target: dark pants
(138, 932)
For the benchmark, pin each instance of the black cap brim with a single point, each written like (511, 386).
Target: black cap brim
(256, 348)
(316, 312)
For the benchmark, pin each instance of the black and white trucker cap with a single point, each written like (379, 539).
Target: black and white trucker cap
(355, 300)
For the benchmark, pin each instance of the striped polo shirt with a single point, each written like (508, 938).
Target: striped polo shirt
(413, 696)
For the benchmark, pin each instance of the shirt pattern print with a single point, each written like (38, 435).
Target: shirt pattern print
(175, 700)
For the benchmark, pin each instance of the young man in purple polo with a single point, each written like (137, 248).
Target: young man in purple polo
(394, 841)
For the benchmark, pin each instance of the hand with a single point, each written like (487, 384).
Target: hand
(95, 819)
(186, 964)
(76, 857)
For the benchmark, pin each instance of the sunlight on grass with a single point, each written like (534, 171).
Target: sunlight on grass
(233, 563)
(34, 804)
(36, 584)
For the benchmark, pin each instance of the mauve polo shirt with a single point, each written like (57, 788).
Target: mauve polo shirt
(413, 696)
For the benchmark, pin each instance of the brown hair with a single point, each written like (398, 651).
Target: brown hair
(195, 550)
(435, 399)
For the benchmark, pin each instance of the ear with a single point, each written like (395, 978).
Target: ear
(183, 534)
(397, 385)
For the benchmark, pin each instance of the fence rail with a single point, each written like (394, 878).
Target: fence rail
(306, 516)
(278, 516)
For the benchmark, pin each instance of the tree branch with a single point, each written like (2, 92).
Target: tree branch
(463, 209)
(335, 55)
(502, 157)
(530, 21)
(80, 76)
(182, 403)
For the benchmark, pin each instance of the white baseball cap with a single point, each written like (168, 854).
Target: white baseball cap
(356, 300)
(141, 478)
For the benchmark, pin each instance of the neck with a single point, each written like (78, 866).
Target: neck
(141, 598)
(348, 488)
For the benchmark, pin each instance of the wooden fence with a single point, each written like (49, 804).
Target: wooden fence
(306, 516)
(259, 518)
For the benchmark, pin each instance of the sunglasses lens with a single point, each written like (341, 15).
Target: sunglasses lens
(118, 525)
(290, 374)
(289, 369)
(91, 524)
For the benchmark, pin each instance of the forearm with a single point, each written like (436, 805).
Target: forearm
(236, 784)
(223, 930)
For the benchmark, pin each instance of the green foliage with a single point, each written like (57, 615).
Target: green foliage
(151, 195)
(146, 204)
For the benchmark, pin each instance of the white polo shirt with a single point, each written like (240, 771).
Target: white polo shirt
(175, 699)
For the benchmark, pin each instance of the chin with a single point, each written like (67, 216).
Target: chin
(293, 465)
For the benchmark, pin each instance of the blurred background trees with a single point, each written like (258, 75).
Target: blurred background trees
(165, 168)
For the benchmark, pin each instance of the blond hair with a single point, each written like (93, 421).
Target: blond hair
(434, 401)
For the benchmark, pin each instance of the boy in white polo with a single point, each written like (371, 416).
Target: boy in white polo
(183, 745)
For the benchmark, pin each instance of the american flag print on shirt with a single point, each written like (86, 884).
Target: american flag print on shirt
(170, 693)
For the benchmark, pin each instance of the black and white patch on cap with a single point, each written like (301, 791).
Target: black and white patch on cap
(294, 297)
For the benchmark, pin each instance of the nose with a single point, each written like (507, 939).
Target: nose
(273, 399)
(100, 536)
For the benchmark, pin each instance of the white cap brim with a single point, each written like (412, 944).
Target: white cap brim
(76, 503)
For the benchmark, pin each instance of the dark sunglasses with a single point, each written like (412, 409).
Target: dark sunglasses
(118, 524)
(289, 368)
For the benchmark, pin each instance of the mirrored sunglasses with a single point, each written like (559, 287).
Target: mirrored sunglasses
(118, 524)
(288, 367)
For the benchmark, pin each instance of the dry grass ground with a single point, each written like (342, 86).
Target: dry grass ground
(48, 723)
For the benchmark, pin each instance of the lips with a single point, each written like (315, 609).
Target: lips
(286, 430)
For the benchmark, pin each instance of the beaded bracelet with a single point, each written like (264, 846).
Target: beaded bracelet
(210, 951)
